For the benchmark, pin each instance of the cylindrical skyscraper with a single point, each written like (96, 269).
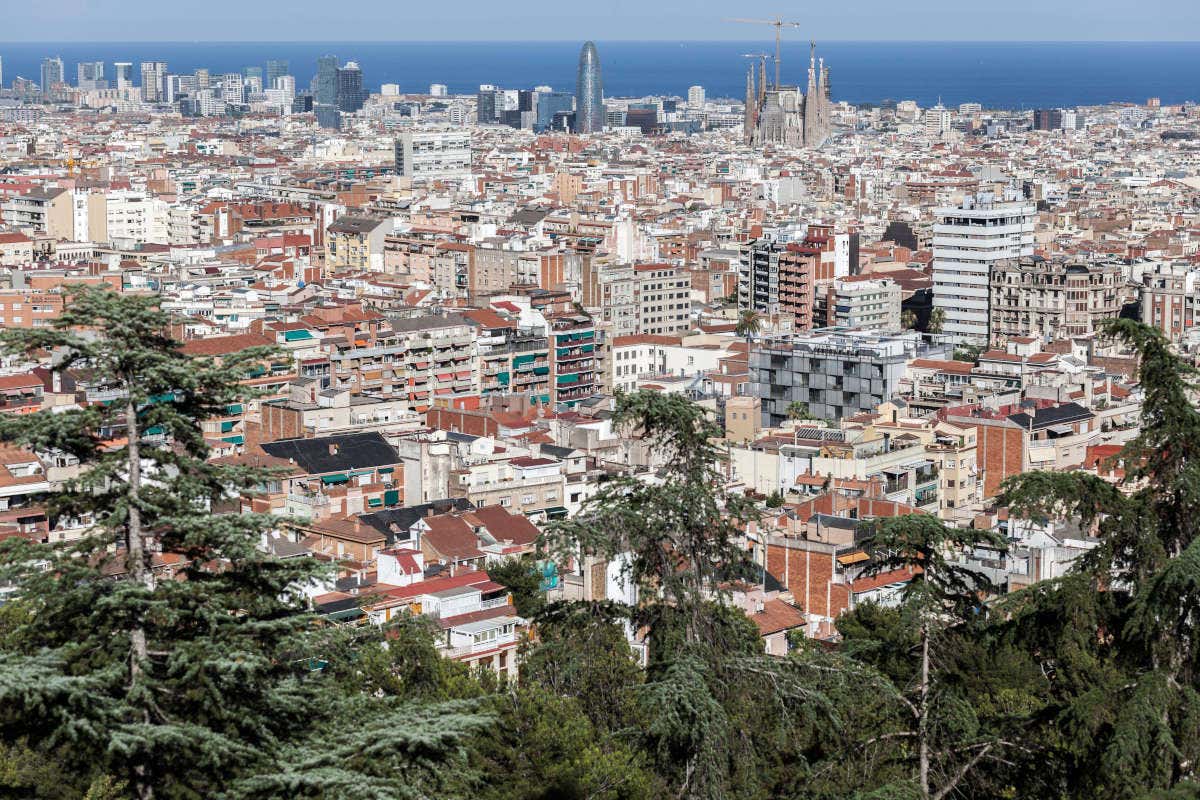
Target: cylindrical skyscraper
(589, 92)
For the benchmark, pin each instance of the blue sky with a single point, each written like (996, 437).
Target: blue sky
(409, 20)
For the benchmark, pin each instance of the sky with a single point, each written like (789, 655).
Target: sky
(609, 20)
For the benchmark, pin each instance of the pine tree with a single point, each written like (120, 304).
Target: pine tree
(186, 686)
(1116, 637)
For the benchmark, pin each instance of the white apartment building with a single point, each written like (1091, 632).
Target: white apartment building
(696, 97)
(858, 303)
(937, 121)
(433, 154)
(967, 241)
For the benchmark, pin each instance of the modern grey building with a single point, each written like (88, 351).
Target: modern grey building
(431, 155)
(276, 68)
(52, 74)
(836, 372)
(325, 83)
(589, 92)
(550, 105)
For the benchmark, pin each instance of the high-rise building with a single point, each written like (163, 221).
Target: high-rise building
(233, 89)
(350, 93)
(52, 75)
(253, 72)
(154, 74)
(203, 79)
(589, 92)
(550, 105)
(1047, 119)
(488, 105)
(696, 97)
(276, 68)
(122, 74)
(967, 242)
(937, 122)
(90, 75)
(437, 90)
(326, 81)
(1, 73)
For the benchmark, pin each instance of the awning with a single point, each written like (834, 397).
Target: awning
(338, 478)
(1062, 430)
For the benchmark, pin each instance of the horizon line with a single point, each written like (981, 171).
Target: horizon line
(566, 41)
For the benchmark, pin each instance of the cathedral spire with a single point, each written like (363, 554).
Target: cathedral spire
(812, 66)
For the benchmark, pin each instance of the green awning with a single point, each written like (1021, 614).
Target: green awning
(239, 439)
(338, 478)
(296, 336)
(374, 502)
(557, 512)
(391, 497)
(227, 426)
(385, 470)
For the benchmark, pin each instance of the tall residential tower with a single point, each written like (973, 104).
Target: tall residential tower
(589, 92)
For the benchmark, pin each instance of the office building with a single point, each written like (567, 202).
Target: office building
(122, 74)
(696, 97)
(589, 92)
(325, 83)
(203, 79)
(1053, 299)
(350, 93)
(431, 155)
(438, 90)
(52, 76)
(836, 372)
(967, 242)
(276, 69)
(550, 105)
(251, 73)
(489, 105)
(1047, 119)
(90, 75)
(154, 75)
(1, 72)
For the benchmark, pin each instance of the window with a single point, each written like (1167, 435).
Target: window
(527, 499)
(505, 502)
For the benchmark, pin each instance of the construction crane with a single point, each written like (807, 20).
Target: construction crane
(778, 25)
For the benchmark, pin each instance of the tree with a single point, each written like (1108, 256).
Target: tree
(941, 593)
(185, 686)
(908, 318)
(1116, 637)
(937, 320)
(749, 324)
(708, 683)
(581, 652)
(523, 579)
(544, 747)
(797, 411)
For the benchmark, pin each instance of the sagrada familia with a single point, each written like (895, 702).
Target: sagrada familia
(784, 114)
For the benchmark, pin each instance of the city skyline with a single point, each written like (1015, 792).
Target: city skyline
(541, 20)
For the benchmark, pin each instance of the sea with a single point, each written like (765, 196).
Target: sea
(1011, 75)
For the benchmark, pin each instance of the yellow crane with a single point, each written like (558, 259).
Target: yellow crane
(778, 24)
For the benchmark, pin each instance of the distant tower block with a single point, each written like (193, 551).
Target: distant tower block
(589, 92)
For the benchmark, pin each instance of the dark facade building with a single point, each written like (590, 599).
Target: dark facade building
(549, 105)
(589, 92)
(350, 93)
